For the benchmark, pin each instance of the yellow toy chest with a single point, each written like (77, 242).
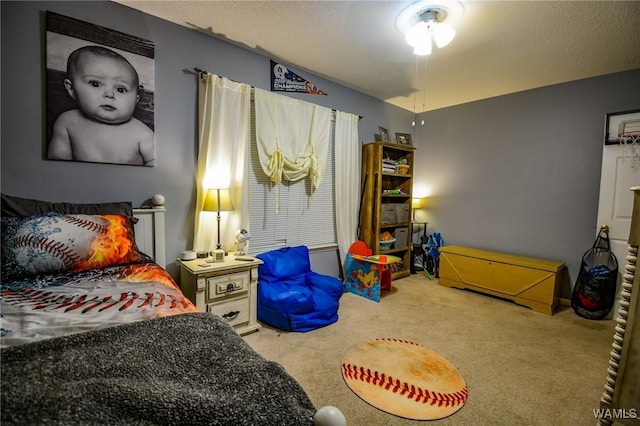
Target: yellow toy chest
(525, 280)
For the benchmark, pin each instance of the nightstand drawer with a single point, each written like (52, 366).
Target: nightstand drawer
(234, 311)
(227, 285)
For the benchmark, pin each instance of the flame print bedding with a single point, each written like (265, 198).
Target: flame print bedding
(46, 306)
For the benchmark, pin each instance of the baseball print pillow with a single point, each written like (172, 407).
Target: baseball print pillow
(53, 243)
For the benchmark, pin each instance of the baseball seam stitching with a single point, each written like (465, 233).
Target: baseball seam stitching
(58, 249)
(86, 224)
(55, 248)
(402, 388)
(43, 300)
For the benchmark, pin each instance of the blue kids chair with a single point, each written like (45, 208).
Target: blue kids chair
(291, 296)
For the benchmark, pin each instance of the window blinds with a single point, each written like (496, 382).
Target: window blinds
(306, 217)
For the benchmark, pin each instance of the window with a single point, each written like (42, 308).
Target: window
(305, 218)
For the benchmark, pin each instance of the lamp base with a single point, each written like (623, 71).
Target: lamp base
(216, 256)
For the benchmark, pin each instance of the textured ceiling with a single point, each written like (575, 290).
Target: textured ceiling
(501, 46)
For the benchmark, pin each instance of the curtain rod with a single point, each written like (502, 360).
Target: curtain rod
(202, 73)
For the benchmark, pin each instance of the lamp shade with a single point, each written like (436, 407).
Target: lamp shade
(416, 203)
(443, 34)
(218, 200)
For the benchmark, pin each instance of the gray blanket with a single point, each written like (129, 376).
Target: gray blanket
(185, 369)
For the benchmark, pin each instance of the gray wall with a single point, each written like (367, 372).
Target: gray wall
(521, 173)
(518, 173)
(25, 171)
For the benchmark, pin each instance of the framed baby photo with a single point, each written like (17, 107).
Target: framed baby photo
(404, 139)
(99, 94)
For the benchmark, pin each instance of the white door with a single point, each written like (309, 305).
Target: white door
(619, 174)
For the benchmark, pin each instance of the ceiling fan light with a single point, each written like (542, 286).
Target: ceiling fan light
(423, 48)
(426, 18)
(443, 34)
(417, 33)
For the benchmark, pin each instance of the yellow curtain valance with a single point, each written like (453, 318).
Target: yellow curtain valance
(292, 138)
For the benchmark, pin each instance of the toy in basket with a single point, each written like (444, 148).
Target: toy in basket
(386, 241)
(386, 245)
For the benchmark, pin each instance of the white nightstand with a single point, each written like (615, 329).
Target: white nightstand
(228, 289)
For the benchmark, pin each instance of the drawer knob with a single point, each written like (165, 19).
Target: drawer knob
(230, 316)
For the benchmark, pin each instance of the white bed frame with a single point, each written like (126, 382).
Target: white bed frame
(150, 236)
(621, 393)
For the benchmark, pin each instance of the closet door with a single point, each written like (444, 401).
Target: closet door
(619, 174)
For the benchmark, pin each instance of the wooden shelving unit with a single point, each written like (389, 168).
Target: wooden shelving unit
(382, 192)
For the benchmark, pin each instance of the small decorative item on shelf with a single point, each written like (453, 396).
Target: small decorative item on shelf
(404, 139)
(402, 167)
(384, 134)
(395, 192)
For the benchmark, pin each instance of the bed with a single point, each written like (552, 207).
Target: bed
(620, 401)
(94, 330)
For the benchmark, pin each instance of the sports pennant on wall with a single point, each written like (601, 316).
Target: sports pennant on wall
(284, 80)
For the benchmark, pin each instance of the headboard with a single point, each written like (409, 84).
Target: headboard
(150, 233)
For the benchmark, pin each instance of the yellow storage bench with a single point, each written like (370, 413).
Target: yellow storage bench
(525, 280)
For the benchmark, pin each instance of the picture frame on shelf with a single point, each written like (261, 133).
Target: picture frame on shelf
(384, 134)
(404, 139)
(620, 126)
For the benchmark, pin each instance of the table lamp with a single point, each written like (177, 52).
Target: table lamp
(218, 200)
(416, 203)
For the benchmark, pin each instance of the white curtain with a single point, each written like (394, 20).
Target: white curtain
(223, 158)
(347, 177)
(292, 137)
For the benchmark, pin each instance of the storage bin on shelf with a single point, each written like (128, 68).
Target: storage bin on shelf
(401, 237)
(393, 213)
(387, 214)
(402, 212)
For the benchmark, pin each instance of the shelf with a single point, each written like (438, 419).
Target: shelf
(394, 250)
(375, 202)
(396, 175)
(395, 225)
(395, 195)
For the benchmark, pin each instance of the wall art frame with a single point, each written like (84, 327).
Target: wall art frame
(622, 127)
(114, 126)
(384, 134)
(404, 139)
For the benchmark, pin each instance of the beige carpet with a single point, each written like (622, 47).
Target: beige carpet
(521, 367)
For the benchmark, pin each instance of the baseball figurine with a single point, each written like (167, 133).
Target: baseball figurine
(242, 240)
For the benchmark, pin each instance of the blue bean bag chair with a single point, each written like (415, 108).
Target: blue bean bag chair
(291, 296)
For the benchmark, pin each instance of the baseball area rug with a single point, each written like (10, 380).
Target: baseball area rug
(404, 378)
